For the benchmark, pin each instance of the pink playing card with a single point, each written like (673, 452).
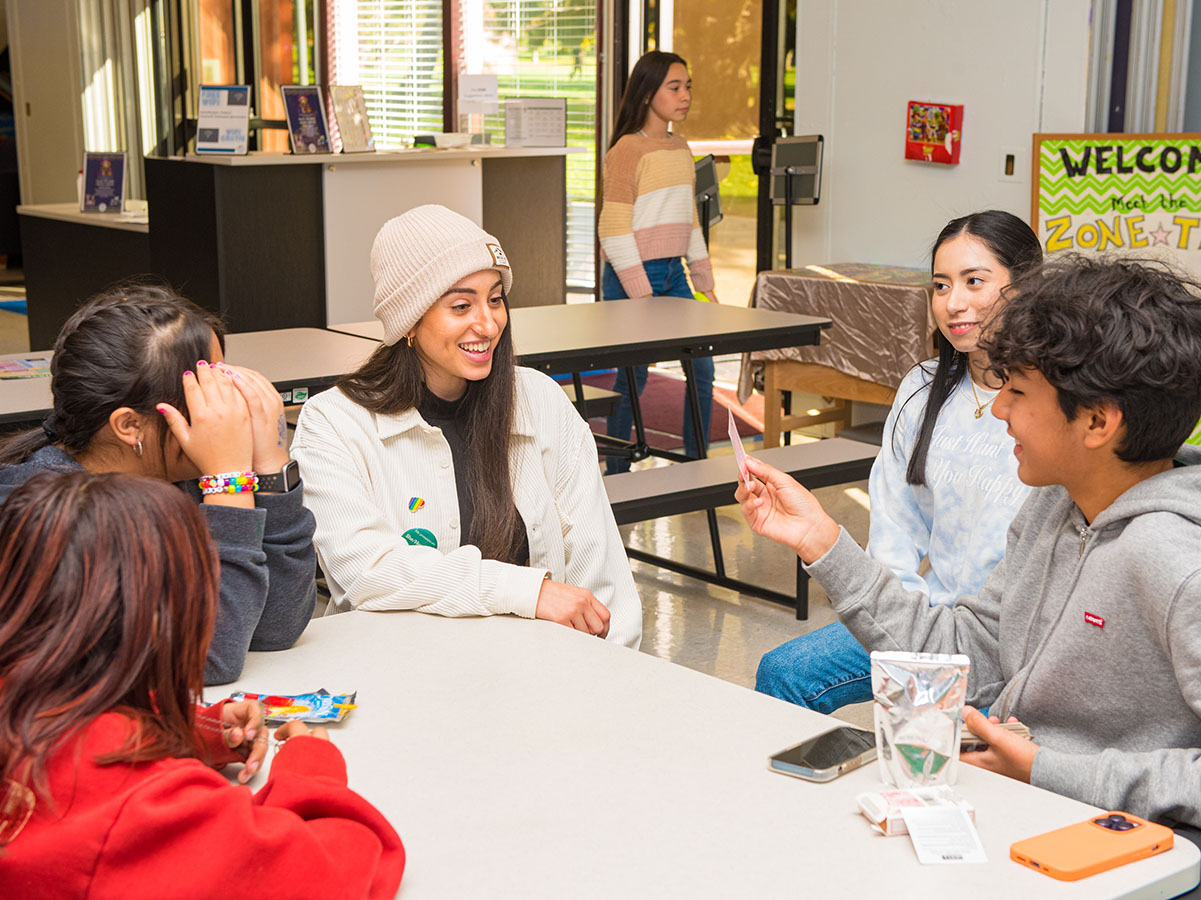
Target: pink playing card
(739, 453)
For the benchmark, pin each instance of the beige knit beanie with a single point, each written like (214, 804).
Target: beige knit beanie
(420, 255)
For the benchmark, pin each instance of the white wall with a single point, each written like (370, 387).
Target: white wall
(44, 49)
(1018, 67)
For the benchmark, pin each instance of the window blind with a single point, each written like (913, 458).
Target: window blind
(393, 48)
(546, 48)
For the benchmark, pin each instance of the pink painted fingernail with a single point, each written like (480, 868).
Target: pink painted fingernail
(190, 372)
(202, 363)
(161, 410)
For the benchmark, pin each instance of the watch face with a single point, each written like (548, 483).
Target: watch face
(291, 474)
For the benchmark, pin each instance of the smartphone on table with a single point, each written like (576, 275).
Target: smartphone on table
(826, 756)
(1086, 848)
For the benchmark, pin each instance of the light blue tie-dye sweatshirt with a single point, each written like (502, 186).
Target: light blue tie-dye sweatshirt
(959, 517)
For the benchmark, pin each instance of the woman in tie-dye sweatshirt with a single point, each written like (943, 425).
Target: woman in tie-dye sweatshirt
(944, 487)
(648, 220)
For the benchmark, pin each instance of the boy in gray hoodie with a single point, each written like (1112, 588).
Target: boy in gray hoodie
(1089, 630)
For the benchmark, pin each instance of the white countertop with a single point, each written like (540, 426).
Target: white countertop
(379, 157)
(69, 212)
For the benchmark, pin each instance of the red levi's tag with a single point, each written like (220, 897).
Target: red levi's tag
(1094, 619)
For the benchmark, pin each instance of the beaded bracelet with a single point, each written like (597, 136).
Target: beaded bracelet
(229, 483)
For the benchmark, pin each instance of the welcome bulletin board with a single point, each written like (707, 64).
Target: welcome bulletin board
(1135, 194)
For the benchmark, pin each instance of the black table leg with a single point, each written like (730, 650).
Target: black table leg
(698, 430)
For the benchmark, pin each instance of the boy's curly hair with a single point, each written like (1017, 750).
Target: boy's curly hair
(1102, 329)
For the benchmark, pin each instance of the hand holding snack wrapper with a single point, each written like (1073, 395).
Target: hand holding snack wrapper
(919, 698)
(320, 707)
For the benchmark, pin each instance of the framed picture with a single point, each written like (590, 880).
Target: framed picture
(103, 182)
(306, 118)
(350, 118)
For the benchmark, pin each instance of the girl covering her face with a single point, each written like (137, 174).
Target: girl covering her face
(140, 386)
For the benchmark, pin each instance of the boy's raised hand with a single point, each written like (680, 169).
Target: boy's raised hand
(777, 507)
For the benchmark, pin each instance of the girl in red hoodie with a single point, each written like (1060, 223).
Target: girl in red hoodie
(108, 586)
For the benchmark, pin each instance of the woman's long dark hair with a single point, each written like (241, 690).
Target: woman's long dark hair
(1016, 248)
(391, 381)
(108, 590)
(127, 346)
(648, 76)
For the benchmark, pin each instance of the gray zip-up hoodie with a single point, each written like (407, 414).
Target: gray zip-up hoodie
(1088, 633)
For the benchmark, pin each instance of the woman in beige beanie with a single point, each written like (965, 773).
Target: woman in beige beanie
(443, 477)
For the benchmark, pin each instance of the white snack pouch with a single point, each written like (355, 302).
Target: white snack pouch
(918, 706)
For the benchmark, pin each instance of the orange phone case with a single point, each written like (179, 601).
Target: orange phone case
(1087, 848)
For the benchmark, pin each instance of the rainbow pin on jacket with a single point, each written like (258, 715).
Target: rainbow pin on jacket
(415, 503)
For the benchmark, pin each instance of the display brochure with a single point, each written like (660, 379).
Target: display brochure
(223, 122)
(536, 122)
(306, 118)
(350, 118)
(103, 182)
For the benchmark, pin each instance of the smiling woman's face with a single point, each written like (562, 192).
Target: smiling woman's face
(967, 283)
(456, 337)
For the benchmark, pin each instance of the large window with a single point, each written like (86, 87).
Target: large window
(546, 48)
(393, 48)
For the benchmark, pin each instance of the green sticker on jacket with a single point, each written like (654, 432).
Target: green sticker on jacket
(420, 537)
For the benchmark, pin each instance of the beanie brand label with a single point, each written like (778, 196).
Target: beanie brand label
(1094, 619)
(498, 255)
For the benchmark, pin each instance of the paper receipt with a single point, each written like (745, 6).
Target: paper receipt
(943, 835)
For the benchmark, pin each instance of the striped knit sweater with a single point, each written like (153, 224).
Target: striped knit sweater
(649, 211)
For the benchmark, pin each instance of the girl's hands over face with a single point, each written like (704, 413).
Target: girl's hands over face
(777, 507)
(218, 439)
(267, 422)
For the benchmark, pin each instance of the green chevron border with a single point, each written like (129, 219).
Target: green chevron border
(1093, 193)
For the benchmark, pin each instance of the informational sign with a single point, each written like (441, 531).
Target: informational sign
(350, 113)
(478, 94)
(103, 182)
(306, 118)
(535, 122)
(223, 120)
(1119, 193)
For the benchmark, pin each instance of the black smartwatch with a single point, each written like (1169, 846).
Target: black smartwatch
(283, 481)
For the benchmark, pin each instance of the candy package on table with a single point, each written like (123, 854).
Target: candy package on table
(919, 699)
(320, 707)
(883, 808)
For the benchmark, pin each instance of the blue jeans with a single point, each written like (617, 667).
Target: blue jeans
(667, 280)
(823, 670)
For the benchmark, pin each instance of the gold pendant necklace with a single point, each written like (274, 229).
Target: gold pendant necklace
(980, 407)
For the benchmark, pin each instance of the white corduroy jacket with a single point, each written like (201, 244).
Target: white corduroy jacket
(364, 473)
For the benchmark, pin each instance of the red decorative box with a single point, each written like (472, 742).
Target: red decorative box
(933, 131)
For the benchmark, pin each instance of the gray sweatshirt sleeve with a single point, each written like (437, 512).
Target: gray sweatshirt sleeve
(267, 579)
(882, 615)
(1154, 784)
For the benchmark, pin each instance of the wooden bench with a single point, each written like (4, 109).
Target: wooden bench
(704, 484)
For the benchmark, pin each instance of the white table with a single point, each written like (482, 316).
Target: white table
(521, 759)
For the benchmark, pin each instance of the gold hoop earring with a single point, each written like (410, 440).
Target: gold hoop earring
(409, 339)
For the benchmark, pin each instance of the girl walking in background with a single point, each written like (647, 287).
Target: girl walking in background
(648, 222)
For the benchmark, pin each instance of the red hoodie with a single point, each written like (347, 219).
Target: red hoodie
(176, 829)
